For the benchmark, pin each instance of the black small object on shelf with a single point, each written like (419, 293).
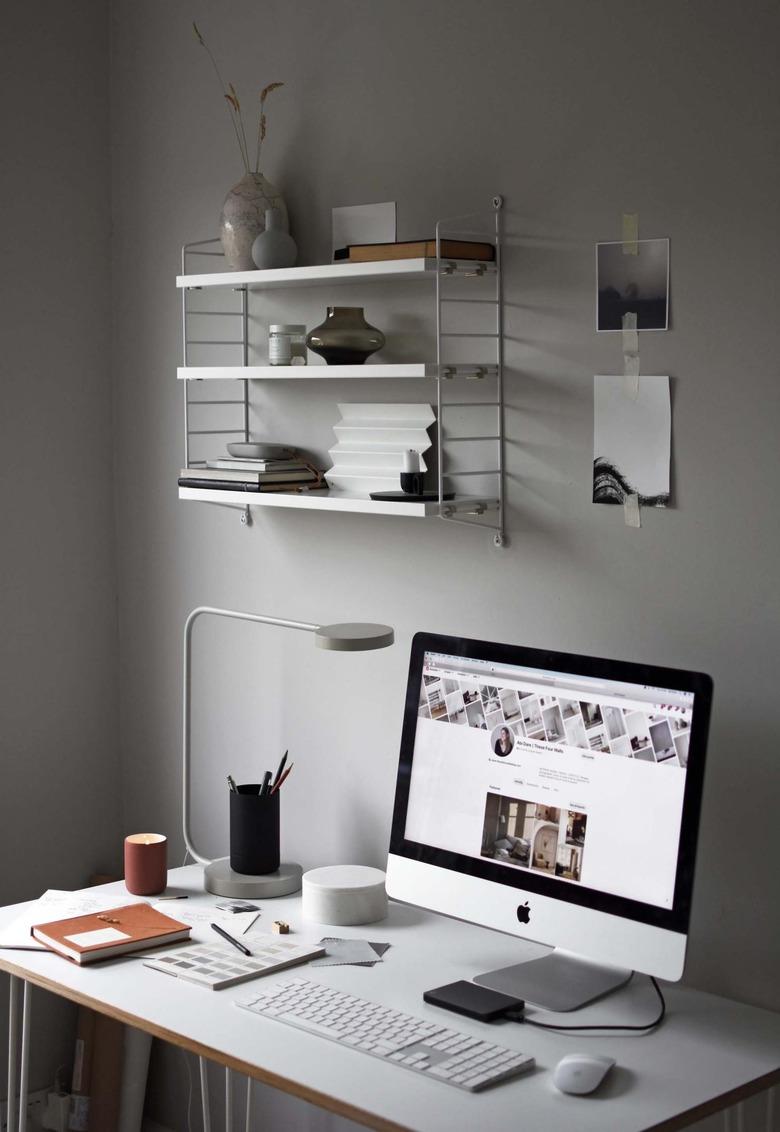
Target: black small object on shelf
(406, 497)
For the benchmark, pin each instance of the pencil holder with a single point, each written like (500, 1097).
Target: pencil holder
(254, 831)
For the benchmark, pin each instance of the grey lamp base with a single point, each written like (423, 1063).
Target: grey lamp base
(219, 878)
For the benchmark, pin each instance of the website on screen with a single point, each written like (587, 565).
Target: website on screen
(571, 777)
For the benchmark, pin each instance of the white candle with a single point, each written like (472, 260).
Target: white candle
(411, 460)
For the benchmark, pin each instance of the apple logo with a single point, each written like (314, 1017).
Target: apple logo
(523, 913)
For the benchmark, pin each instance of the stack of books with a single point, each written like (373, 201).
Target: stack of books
(232, 474)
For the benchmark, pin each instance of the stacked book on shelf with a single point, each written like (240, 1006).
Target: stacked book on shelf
(411, 249)
(232, 474)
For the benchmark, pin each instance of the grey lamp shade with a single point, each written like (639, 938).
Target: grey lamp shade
(353, 636)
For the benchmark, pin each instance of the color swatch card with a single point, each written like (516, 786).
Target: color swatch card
(218, 965)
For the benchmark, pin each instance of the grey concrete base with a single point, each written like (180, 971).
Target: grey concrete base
(219, 878)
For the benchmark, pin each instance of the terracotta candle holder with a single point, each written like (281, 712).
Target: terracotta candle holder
(146, 863)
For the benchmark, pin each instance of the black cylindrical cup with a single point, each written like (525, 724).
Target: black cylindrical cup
(412, 483)
(254, 831)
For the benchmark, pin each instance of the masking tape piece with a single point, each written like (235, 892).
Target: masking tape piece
(631, 511)
(631, 354)
(630, 233)
(631, 375)
(630, 333)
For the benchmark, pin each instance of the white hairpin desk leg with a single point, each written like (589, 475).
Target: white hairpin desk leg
(248, 1103)
(204, 1094)
(228, 1099)
(13, 1039)
(24, 1073)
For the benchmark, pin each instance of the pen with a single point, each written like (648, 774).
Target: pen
(266, 783)
(232, 784)
(278, 774)
(172, 898)
(281, 780)
(230, 939)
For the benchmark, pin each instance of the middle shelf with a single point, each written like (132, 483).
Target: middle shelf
(333, 372)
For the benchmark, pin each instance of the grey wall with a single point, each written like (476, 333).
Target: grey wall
(575, 112)
(59, 803)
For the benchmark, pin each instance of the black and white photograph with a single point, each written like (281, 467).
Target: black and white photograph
(493, 720)
(510, 704)
(575, 732)
(661, 739)
(553, 724)
(576, 823)
(632, 440)
(475, 714)
(568, 864)
(531, 714)
(613, 718)
(635, 284)
(591, 713)
(620, 746)
(456, 709)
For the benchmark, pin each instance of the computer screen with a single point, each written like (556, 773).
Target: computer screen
(570, 777)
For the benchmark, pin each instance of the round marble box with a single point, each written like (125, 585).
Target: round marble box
(344, 894)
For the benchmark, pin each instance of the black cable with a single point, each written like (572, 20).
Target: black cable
(556, 1026)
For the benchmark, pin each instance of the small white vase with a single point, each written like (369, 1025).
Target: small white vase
(243, 218)
(275, 247)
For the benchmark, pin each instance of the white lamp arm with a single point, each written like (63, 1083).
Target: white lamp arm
(187, 701)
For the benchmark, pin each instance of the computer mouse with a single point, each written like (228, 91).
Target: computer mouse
(581, 1073)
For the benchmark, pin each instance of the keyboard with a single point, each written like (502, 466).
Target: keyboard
(429, 1048)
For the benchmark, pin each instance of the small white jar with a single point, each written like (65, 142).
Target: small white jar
(287, 344)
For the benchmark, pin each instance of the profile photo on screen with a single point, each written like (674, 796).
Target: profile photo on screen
(502, 741)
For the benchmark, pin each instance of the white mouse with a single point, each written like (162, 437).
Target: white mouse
(581, 1073)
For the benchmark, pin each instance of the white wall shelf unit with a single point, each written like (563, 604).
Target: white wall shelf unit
(319, 372)
(470, 453)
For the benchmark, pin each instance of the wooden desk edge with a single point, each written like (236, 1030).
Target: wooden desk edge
(284, 1084)
(324, 1100)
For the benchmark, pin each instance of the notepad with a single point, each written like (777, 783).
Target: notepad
(218, 965)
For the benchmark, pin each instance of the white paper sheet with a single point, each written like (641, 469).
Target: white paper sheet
(632, 440)
(363, 224)
(99, 935)
(56, 904)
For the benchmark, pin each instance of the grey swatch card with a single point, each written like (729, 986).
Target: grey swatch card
(351, 951)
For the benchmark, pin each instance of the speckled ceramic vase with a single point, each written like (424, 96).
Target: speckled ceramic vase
(243, 218)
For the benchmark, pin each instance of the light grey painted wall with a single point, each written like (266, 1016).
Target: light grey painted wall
(59, 803)
(576, 112)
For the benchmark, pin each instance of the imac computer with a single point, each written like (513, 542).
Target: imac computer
(554, 797)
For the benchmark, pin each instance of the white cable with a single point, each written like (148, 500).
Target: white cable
(248, 1104)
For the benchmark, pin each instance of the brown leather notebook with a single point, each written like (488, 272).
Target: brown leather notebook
(104, 935)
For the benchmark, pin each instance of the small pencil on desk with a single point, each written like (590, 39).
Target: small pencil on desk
(226, 935)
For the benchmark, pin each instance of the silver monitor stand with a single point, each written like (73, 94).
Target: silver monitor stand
(559, 981)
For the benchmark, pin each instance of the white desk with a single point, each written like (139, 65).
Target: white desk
(709, 1053)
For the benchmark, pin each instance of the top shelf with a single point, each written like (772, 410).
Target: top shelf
(335, 273)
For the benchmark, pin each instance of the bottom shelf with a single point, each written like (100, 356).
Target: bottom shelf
(337, 501)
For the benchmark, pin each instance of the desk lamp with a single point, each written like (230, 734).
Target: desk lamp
(218, 877)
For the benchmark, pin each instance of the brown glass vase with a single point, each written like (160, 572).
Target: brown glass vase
(345, 338)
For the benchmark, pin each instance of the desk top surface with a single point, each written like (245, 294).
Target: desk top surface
(708, 1052)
